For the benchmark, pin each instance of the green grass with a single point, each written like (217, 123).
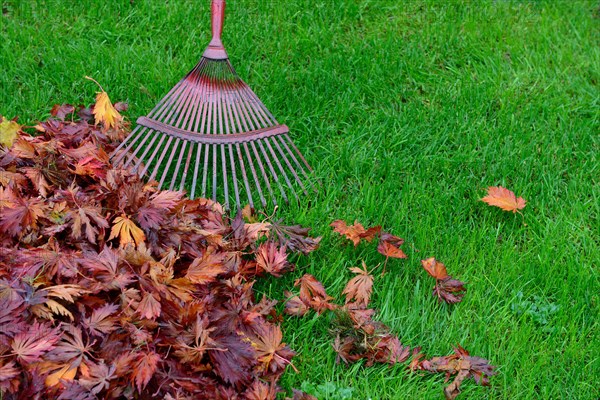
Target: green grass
(407, 111)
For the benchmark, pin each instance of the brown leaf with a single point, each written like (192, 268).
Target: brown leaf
(61, 111)
(149, 307)
(272, 259)
(434, 268)
(355, 232)
(503, 198)
(206, 269)
(360, 287)
(313, 295)
(31, 345)
(449, 290)
(294, 306)
(144, 369)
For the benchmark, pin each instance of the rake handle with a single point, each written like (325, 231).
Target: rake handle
(217, 9)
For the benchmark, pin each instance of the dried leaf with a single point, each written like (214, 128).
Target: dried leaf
(360, 287)
(144, 369)
(127, 231)
(272, 259)
(105, 113)
(504, 199)
(206, 269)
(8, 132)
(434, 268)
(355, 232)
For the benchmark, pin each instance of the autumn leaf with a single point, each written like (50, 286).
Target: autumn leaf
(313, 295)
(31, 345)
(272, 353)
(149, 307)
(434, 268)
(144, 369)
(206, 268)
(449, 290)
(60, 111)
(127, 231)
(8, 132)
(504, 199)
(360, 287)
(104, 112)
(355, 232)
(271, 259)
(389, 246)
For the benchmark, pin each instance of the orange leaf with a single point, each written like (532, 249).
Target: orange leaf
(389, 250)
(355, 232)
(206, 268)
(503, 198)
(434, 268)
(66, 373)
(105, 113)
(127, 231)
(360, 287)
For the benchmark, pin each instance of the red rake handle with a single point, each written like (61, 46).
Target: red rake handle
(215, 49)
(217, 10)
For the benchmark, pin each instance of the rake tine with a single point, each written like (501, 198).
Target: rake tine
(159, 162)
(186, 167)
(204, 175)
(247, 122)
(137, 149)
(273, 173)
(285, 177)
(233, 109)
(289, 151)
(118, 160)
(287, 162)
(154, 153)
(178, 165)
(168, 166)
(196, 165)
(148, 148)
(262, 170)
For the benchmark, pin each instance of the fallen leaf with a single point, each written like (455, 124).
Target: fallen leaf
(8, 132)
(434, 268)
(127, 231)
(355, 232)
(503, 198)
(360, 287)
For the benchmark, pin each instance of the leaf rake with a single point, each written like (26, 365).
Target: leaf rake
(211, 123)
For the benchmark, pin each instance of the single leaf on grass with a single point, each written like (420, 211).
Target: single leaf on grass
(360, 287)
(503, 198)
(294, 306)
(463, 365)
(313, 295)
(8, 132)
(355, 232)
(449, 290)
(295, 237)
(127, 231)
(389, 246)
(434, 268)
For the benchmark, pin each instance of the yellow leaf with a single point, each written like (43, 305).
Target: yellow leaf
(66, 373)
(8, 132)
(105, 113)
(59, 309)
(127, 231)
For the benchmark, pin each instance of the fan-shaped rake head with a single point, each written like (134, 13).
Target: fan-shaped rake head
(211, 133)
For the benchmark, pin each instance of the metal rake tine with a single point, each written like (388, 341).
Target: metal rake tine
(226, 112)
(168, 166)
(287, 162)
(273, 173)
(248, 125)
(154, 153)
(124, 152)
(159, 162)
(289, 151)
(205, 171)
(178, 165)
(285, 177)
(137, 149)
(255, 176)
(196, 166)
(148, 148)
(186, 167)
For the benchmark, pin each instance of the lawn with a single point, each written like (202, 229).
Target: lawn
(407, 112)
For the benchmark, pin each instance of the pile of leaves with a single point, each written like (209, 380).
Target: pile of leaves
(111, 288)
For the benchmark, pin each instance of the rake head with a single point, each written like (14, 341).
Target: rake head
(211, 133)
